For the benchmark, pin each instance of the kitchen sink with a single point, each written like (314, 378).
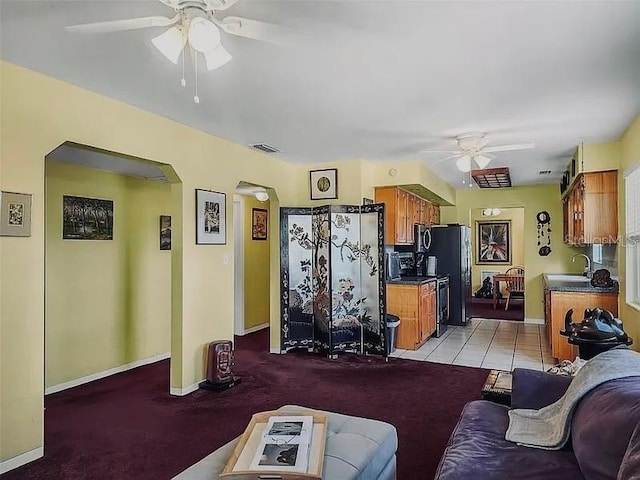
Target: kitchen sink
(575, 278)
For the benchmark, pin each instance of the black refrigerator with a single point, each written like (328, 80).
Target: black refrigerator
(451, 245)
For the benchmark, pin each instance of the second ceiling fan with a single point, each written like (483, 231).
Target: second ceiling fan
(473, 148)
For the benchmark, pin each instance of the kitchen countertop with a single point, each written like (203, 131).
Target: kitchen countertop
(411, 280)
(575, 283)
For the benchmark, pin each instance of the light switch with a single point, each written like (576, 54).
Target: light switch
(225, 259)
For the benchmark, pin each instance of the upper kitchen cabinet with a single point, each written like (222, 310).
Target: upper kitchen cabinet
(402, 211)
(590, 209)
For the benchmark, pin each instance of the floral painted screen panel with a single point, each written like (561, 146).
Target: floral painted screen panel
(320, 275)
(347, 302)
(296, 289)
(372, 279)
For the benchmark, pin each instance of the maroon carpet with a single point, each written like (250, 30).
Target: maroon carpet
(483, 308)
(128, 427)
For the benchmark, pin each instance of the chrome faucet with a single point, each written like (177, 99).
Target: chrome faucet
(587, 268)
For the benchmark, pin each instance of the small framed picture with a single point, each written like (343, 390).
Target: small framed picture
(165, 232)
(323, 184)
(15, 214)
(211, 219)
(85, 218)
(259, 219)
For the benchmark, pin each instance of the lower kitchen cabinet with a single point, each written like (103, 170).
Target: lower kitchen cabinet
(557, 303)
(415, 305)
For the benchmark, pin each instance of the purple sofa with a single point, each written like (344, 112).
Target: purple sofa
(604, 443)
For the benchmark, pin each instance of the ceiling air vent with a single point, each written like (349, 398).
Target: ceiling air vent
(265, 148)
(492, 177)
(544, 172)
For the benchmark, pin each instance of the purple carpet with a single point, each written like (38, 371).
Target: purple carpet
(483, 308)
(128, 426)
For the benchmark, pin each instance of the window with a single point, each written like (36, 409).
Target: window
(632, 236)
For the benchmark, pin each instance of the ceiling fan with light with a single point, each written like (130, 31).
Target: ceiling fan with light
(473, 147)
(195, 23)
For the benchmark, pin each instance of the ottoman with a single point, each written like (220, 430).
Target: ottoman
(356, 449)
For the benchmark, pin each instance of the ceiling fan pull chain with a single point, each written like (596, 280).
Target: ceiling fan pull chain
(196, 98)
(183, 82)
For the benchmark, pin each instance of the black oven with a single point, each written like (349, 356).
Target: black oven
(442, 305)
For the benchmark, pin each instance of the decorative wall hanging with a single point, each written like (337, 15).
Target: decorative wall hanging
(165, 232)
(494, 242)
(15, 214)
(323, 184)
(259, 219)
(332, 279)
(544, 233)
(87, 218)
(211, 218)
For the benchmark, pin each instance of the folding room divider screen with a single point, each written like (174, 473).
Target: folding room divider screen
(332, 280)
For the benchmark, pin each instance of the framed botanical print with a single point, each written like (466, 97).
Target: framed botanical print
(259, 218)
(323, 184)
(494, 242)
(15, 214)
(211, 228)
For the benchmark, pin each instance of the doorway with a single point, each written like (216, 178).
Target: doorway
(504, 228)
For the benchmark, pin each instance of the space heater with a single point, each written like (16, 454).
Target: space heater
(220, 366)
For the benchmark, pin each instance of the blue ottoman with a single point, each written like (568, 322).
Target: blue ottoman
(356, 449)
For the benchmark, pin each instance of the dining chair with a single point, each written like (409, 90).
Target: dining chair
(514, 284)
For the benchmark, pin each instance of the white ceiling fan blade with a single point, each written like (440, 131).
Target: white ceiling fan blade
(267, 32)
(170, 43)
(508, 148)
(216, 58)
(120, 25)
(220, 4)
(447, 158)
(458, 152)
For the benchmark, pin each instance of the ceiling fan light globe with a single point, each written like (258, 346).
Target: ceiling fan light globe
(482, 161)
(217, 58)
(170, 44)
(464, 163)
(204, 36)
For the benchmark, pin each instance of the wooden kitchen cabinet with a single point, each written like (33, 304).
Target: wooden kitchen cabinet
(557, 303)
(403, 210)
(415, 305)
(590, 209)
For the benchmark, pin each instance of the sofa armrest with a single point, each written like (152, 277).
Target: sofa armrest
(533, 389)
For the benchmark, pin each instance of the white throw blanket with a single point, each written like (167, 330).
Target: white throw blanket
(549, 427)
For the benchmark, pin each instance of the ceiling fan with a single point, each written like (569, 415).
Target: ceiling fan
(195, 22)
(473, 146)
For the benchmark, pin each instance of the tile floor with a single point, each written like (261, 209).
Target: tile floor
(485, 343)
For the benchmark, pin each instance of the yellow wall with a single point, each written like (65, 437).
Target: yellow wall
(108, 302)
(516, 217)
(38, 114)
(629, 156)
(533, 199)
(256, 268)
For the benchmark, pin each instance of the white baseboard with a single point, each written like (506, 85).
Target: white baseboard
(21, 459)
(254, 329)
(275, 350)
(181, 392)
(535, 321)
(105, 373)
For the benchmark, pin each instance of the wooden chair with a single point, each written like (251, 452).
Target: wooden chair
(514, 284)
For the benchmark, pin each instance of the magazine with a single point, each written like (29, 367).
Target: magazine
(285, 444)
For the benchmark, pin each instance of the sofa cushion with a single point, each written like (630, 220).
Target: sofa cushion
(477, 450)
(603, 425)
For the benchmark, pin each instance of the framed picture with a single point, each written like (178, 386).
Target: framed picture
(165, 232)
(15, 214)
(367, 201)
(87, 218)
(494, 242)
(259, 219)
(323, 184)
(211, 218)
